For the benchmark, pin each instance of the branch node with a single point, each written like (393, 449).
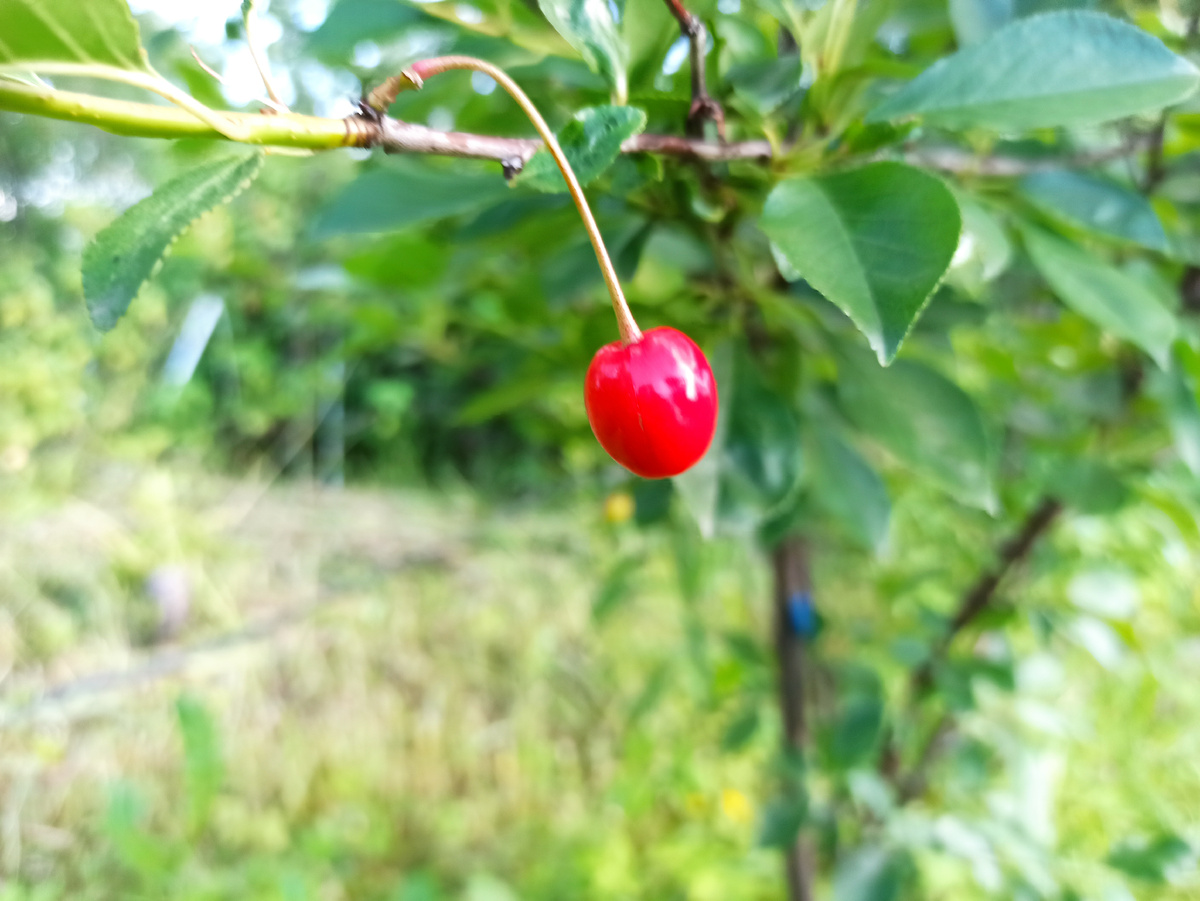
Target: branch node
(512, 167)
(363, 129)
(704, 107)
(368, 113)
(385, 95)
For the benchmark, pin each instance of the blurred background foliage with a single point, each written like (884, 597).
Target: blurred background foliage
(493, 666)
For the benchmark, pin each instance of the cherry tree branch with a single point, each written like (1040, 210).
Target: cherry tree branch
(394, 136)
(972, 604)
(703, 105)
(296, 131)
(960, 162)
(981, 594)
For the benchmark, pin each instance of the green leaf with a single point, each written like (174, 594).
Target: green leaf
(850, 735)
(870, 873)
(782, 820)
(1103, 294)
(406, 193)
(700, 486)
(1053, 70)
(41, 33)
(617, 587)
(591, 140)
(1097, 205)
(788, 12)
(418, 886)
(651, 694)
(923, 419)
(741, 729)
(1183, 414)
(125, 254)
(351, 21)
(755, 462)
(767, 84)
(143, 851)
(848, 488)
(516, 391)
(748, 650)
(652, 500)
(974, 20)
(1087, 485)
(955, 679)
(588, 26)
(648, 30)
(573, 272)
(984, 250)
(856, 731)
(486, 887)
(203, 770)
(410, 259)
(1149, 860)
(503, 26)
(875, 241)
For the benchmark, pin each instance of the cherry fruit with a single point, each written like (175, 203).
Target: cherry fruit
(652, 403)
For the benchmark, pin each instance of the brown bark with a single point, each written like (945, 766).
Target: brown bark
(793, 578)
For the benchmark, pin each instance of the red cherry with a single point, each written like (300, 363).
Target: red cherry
(653, 403)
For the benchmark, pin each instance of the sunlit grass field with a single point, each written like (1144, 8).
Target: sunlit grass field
(369, 695)
(256, 688)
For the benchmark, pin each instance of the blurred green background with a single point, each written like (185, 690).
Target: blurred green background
(349, 604)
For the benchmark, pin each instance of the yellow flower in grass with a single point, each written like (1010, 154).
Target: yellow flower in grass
(736, 806)
(619, 507)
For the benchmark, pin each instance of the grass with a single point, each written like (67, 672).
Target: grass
(372, 695)
(415, 697)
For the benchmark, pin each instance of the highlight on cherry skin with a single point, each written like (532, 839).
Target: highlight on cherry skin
(652, 403)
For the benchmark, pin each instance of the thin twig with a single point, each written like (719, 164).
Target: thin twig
(1156, 167)
(912, 785)
(961, 162)
(259, 55)
(216, 76)
(710, 151)
(703, 105)
(974, 602)
(208, 70)
(980, 595)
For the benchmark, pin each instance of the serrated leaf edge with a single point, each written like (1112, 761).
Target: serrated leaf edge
(154, 270)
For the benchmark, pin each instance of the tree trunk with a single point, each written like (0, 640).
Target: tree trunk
(793, 589)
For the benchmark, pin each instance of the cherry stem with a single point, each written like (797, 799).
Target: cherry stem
(413, 77)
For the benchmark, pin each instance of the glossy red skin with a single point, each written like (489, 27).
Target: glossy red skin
(652, 404)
